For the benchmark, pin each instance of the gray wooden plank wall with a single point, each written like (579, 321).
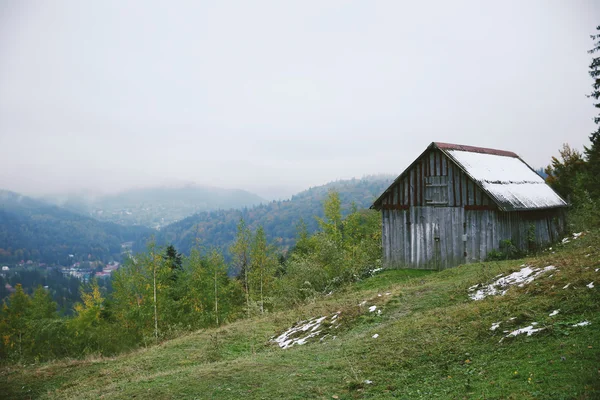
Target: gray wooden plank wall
(409, 236)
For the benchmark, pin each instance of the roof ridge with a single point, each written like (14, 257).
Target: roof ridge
(474, 149)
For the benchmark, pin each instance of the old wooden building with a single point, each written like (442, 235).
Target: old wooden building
(454, 204)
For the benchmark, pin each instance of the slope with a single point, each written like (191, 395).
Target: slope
(33, 230)
(431, 340)
(280, 219)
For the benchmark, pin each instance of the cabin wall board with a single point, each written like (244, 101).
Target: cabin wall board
(432, 237)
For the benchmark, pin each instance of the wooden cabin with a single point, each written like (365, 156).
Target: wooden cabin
(454, 204)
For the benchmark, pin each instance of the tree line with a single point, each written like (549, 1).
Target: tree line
(575, 175)
(159, 294)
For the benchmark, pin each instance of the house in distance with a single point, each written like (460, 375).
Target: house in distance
(454, 204)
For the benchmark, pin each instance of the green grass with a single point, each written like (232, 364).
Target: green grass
(433, 343)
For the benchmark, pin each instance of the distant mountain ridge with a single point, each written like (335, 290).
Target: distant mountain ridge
(156, 207)
(279, 218)
(34, 230)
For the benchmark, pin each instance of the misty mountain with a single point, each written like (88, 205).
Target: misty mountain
(34, 230)
(280, 219)
(157, 206)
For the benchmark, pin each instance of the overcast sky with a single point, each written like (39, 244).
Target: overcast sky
(278, 96)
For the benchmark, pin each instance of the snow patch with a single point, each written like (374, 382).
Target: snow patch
(495, 326)
(590, 285)
(584, 323)
(566, 286)
(372, 308)
(529, 330)
(375, 336)
(300, 333)
(553, 313)
(500, 286)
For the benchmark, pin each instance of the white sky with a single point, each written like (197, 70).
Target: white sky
(274, 97)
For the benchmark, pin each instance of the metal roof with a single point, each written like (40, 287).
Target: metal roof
(507, 179)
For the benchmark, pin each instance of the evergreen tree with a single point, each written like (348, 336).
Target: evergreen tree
(263, 266)
(15, 322)
(592, 153)
(173, 260)
(564, 172)
(42, 305)
(240, 252)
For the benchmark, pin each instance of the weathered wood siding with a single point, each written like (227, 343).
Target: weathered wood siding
(432, 237)
(423, 237)
(435, 217)
(434, 180)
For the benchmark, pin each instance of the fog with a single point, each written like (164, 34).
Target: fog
(274, 97)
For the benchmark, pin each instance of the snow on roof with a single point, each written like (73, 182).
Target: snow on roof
(508, 179)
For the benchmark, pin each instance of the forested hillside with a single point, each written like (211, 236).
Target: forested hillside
(156, 207)
(33, 230)
(280, 219)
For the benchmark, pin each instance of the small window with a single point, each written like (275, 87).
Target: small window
(436, 190)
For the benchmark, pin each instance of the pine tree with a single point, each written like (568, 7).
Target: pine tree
(263, 265)
(17, 313)
(592, 153)
(240, 251)
(564, 172)
(42, 305)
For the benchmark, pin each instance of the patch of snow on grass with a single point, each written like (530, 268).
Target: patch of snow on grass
(566, 286)
(565, 241)
(576, 235)
(372, 308)
(590, 285)
(553, 313)
(500, 286)
(529, 330)
(495, 326)
(297, 334)
(375, 336)
(584, 323)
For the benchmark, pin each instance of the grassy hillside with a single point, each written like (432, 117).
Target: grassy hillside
(429, 341)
